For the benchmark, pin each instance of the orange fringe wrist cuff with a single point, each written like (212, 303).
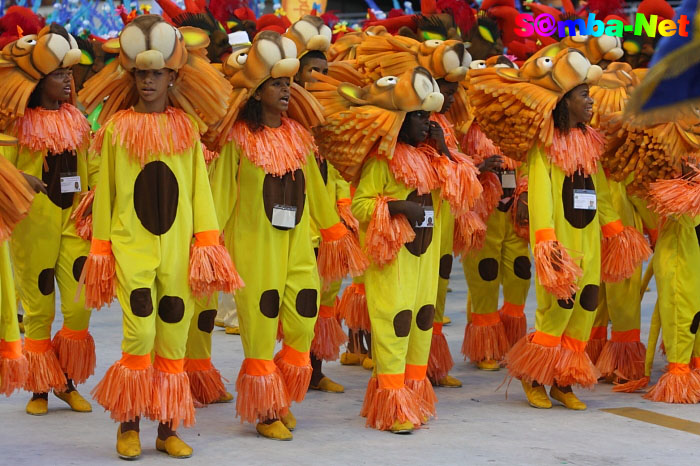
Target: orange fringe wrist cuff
(172, 399)
(261, 396)
(514, 322)
(386, 234)
(522, 230)
(622, 358)
(483, 342)
(211, 268)
(469, 234)
(677, 197)
(99, 273)
(76, 353)
(622, 254)
(295, 368)
(491, 195)
(440, 360)
(45, 372)
(575, 368)
(353, 308)
(206, 385)
(459, 183)
(83, 223)
(532, 362)
(556, 270)
(384, 406)
(13, 374)
(345, 214)
(340, 254)
(328, 337)
(678, 385)
(424, 390)
(126, 393)
(15, 198)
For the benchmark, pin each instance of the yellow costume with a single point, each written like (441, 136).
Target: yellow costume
(46, 247)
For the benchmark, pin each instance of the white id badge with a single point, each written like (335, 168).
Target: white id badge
(508, 179)
(284, 216)
(429, 220)
(70, 183)
(585, 199)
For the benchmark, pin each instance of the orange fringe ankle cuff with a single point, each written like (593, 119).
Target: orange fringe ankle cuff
(126, 393)
(532, 362)
(575, 368)
(99, 273)
(340, 254)
(469, 234)
(45, 372)
(514, 323)
(13, 374)
(172, 399)
(622, 254)
(483, 342)
(622, 358)
(386, 234)
(384, 406)
(440, 360)
(328, 337)
(295, 368)
(76, 353)
(594, 348)
(83, 223)
(556, 271)
(632, 386)
(206, 384)
(678, 385)
(424, 390)
(262, 395)
(353, 308)
(211, 268)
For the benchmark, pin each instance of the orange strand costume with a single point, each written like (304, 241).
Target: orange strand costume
(152, 199)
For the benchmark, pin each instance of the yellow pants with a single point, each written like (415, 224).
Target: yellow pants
(13, 364)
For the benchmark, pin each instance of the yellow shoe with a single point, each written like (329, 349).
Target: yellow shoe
(174, 446)
(219, 323)
(75, 400)
(38, 407)
(536, 396)
(368, 364)
(488, 365)
(232, 330)
(274, 431)
(350, 359)
(289, 421)
(327, 385)
(449, 381)
(446, 321)
(128, 444)
(225, 398)
(569, 400)
(401, 427)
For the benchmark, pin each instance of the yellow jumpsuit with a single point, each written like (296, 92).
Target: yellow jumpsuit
(13, 364)
(277, 263)
(401, 298)
(46, 248)
(152, 197)
(555, 352)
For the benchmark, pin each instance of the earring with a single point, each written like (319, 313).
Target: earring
(170, 85)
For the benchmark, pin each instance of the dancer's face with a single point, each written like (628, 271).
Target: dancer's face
(152, 85)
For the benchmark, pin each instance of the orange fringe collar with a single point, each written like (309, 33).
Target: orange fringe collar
(146, 135)
(54, 131)
(276, 150)
(411, 166)
(576, 150)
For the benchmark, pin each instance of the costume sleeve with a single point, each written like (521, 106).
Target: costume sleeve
(343, 200)
(10, 153)
(609, 219)
(649, 218)
(93, 167)
(541, 204)
(339, 253)
(224, 182)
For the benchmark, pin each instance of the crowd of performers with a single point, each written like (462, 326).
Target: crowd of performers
(275, 161)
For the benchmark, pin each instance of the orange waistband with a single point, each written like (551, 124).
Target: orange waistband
(10, 349)
(135, 362)
(627, 336)
(37, 346)
(573, 344)
(599, 333)
(437, 328)
(612, 228)
(294, 357)
(73, 334)
(207, 238)
(171, 366)
(325, 312)
(513, 310)
(192, 365)
(545, 234)
(333, 233)
(258, 367)
(545, 339)
(393, 381)
(416, 372)
(485, 320)
(678, 368)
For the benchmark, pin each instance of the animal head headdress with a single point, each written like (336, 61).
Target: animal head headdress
(309, 33)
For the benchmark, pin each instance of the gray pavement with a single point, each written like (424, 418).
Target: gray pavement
(477, 424)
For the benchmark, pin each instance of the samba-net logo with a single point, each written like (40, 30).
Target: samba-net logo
(545, 25)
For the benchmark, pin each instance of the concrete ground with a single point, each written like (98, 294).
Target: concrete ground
(477, 424)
